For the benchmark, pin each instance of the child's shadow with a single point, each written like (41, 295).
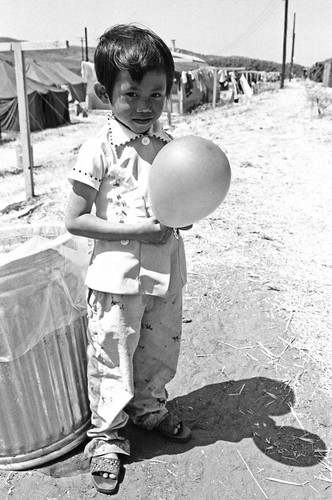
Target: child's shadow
(227, 411)
(232, 411)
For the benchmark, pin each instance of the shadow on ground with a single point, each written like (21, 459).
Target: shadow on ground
(227, 411)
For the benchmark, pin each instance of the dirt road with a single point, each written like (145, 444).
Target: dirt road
(254, 380)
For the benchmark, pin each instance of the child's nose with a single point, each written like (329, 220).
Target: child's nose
(144, 106)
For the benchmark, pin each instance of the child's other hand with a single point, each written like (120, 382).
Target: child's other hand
(152, 231)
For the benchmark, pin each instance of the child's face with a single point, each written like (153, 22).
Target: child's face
(139, 104)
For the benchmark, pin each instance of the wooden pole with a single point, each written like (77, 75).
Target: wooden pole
(293, 45)
(86, 44)
(214, 94)
(23, 103)
(24, 121)
(284, 47)
(181, 92)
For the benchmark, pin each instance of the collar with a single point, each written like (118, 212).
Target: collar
(121, 135)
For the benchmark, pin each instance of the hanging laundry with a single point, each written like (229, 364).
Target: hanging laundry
(223, 82)
(245, 86)
(235, 87)
(199, 81)
(222, 76)
(189, 85)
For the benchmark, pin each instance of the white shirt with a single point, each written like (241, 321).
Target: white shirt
(117, 163)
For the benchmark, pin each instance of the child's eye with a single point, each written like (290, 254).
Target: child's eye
(131, 94)
(157, 95)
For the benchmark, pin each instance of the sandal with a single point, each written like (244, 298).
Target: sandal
(100, 465)
(168, 426)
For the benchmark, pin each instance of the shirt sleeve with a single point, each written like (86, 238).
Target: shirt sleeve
(90, 165)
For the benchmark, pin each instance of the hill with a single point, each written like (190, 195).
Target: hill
(247, 62)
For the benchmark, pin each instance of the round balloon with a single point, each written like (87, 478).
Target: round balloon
(189, 178)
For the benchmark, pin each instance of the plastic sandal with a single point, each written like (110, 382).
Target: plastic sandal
(98, 466)
(167, 427)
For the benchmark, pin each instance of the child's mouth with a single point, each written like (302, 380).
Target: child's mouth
(142, 121)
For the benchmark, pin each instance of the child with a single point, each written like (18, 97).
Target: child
(137, 270)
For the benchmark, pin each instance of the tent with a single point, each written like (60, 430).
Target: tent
(58, 75)
(48, 106)
(184, 62)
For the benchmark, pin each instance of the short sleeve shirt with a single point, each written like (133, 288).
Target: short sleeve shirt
(117, 164)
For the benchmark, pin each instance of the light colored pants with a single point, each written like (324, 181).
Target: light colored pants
(133, 350)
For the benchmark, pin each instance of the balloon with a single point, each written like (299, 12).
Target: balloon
(189, 179)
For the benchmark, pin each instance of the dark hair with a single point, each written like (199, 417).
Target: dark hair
(127, 47)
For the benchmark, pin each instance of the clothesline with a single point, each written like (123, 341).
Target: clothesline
(209, 84)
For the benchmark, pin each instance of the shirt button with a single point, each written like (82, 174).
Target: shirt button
(145, 141)
(124, 242)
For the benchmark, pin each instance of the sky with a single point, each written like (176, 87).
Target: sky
(250, 28)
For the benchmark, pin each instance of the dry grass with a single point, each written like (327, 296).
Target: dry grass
(320, 99)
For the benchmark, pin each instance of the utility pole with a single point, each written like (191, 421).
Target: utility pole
(86, 44)
(284, 47)
(293, 45)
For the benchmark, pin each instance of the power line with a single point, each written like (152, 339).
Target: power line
(252, 28)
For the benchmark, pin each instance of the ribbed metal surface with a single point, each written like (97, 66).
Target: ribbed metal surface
(44, 409)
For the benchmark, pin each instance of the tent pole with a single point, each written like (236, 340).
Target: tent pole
(23, 107)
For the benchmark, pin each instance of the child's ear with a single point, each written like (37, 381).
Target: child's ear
(101, 93)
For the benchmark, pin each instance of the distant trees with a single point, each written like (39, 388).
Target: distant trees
(247, 63)
(251, 64)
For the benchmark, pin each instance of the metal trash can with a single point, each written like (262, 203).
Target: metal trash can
(44, 408)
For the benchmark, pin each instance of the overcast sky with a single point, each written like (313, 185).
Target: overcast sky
(252, 28)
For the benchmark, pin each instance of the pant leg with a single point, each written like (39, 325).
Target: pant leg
(113, 331)
(156, 358)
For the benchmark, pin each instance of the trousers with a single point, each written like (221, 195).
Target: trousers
(133, 351)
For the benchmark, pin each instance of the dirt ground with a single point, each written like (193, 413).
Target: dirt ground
(254, 378)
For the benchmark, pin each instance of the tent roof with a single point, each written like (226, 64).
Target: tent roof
(69, 76)
(8, 88)
(186, 57)
(187, 65)
(7, 81)
(184, 62)
(36, 72)
(53, 73)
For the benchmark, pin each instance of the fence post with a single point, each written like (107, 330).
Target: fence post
(23, 103)
(214, 95)
(181, 99)
(24, 121)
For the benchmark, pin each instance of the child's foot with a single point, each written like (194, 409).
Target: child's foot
(173, 429)
(105, 472)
